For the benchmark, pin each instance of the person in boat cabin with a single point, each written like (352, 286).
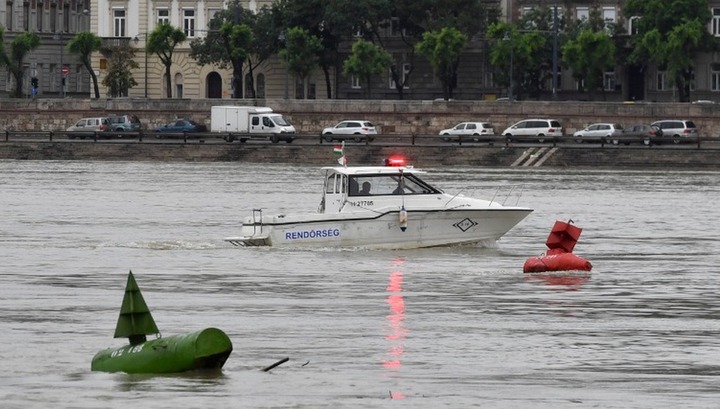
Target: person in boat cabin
(365, 189)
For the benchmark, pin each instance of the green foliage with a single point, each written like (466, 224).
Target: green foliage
(366, 61)
(529, 52)
(589, 56)
(83, 45)
(14, 60)
(671, 33)
(162, 42)
(443, 50)
(119, 77)
(301, 52)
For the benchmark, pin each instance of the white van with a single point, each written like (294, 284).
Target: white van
(540, 130)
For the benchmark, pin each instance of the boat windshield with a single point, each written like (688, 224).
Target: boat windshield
(396, 184)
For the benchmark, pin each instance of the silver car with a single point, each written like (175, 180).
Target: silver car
(599, 132)
(87, 127)
(678, 130)
(467, 130)
(355, 129)
(540, 130)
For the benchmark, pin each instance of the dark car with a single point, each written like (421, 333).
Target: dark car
(641, 133)
(180, 126)
(125, 123)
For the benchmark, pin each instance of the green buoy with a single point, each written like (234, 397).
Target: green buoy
(205, 349)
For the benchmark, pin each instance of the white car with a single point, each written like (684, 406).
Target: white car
(467, 130)
(599, 132)
(534, 129)
(356, 129)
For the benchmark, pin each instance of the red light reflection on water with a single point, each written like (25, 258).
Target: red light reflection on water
(395, 322)
(396, 318)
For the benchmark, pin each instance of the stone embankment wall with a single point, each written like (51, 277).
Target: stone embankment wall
(635, 157)
(392, 117)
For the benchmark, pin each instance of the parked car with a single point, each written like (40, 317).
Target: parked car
(640, 133)
(599, 132)
(180, 126)
(533, 129)
(356, 129)
(680, 130)
(125, 123)
(467, 131)
(87, 127)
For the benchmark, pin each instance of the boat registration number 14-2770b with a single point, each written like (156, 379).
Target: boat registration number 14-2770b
(362, 203)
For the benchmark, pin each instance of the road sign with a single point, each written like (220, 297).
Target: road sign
(65, 70)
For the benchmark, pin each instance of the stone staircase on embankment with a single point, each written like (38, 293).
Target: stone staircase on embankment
(534, 156)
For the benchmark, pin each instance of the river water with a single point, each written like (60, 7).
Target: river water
(444, 327)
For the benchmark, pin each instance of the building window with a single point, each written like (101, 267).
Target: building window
(661, 81)
(211, 14)
(715, 24)
(9, 16)
(189, 22)
(355, 82)
(692, 79)
(53, 17)
(178, 85)
(311, 90)
(163, 16)
(715, 77)
(66, 18)
(119, 23)
(633, 26)
(609, 81)
(394, 27)
(39, 14)
(248, 88)
(582, 13)
(358, 30)
(26, 16)
(260, 85)
(403, 75)
(609, 15)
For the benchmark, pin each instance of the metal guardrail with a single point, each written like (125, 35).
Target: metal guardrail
(701, 142)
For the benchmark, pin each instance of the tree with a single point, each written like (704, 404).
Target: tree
(443, 49)
(366, 61)
(528, 52)
(671, 34)
(162, 42)
(19, 48)
(119, 77)
(322, 20)
(301, 52)
(83, 45)
(589, 56)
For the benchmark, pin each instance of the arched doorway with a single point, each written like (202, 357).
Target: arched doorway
(213, 85)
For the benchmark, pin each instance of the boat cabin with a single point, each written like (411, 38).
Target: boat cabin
(362, 184)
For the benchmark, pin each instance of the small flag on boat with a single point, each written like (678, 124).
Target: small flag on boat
(340, 150)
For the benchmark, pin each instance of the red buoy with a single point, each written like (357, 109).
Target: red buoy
(559, 257)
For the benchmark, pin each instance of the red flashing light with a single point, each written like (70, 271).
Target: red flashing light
(395, 161)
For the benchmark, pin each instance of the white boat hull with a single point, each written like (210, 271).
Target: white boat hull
(374, 230)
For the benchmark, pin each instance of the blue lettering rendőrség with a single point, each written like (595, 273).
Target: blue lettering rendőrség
(312, 234)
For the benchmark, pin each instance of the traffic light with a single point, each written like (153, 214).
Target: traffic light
(34, 82)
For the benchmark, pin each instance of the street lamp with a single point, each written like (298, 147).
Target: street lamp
(281, 38)
(136, 39)
(509, 40)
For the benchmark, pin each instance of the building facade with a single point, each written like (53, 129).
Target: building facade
(55, 22)
(128, 22)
